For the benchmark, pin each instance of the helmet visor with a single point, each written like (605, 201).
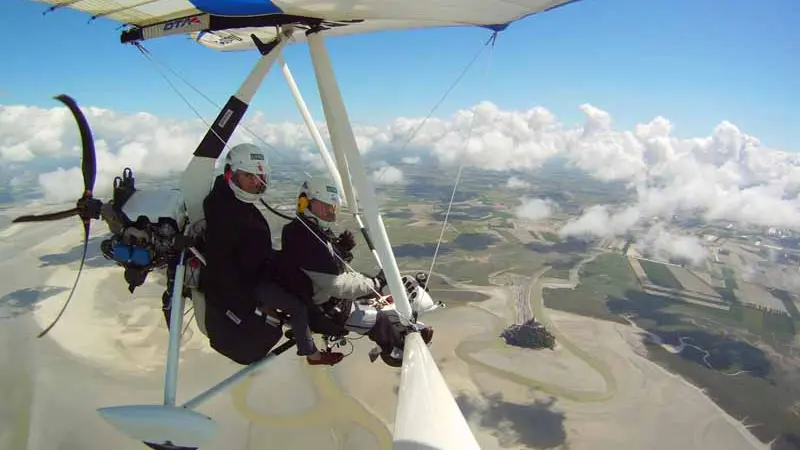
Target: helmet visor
(323, 211)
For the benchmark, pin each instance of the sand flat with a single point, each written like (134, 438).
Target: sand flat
(109, 349)
(558, 365)
(643, 413)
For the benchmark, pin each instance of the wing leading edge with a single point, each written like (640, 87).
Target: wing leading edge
(226, 25)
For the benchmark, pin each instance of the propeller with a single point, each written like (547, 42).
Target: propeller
(87, 207)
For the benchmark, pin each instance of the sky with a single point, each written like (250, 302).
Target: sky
(695, 62)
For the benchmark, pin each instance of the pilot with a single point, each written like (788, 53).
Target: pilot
(241, 280)
(309, 244)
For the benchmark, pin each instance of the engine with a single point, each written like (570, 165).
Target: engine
(418, 297)
(146, 228)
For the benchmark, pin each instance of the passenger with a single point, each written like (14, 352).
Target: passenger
(241, 280)
(308, 244)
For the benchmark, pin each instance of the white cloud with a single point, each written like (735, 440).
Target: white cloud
(517, 183)
(57, 185)
(535, 209)
(664, 244)
(411, 160)
(599, 221)
(726, 175)
(28, 132)
(388, 175)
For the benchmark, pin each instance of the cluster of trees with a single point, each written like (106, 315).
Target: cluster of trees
(530, 334)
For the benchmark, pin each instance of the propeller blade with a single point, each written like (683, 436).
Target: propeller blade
(89, 163)
(46, 217)
(86, 224)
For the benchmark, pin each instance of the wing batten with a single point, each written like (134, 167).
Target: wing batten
(133, 12)
(158, 18)
(121, 9)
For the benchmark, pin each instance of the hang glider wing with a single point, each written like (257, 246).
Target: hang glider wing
(226, 25)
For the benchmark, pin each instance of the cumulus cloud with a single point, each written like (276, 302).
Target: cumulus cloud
(28, 132)
(655, 240)
(57, 184)
(667, 245)
(600, 221)
(516, 183)
(534, 209)
(726, 175)
(388, 175)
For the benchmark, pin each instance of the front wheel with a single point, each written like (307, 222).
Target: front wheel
(390, 360)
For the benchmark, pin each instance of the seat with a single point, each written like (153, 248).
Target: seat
(198, 299)
(191, 279)
(199, 302)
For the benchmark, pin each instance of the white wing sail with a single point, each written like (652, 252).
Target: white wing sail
(227, 24)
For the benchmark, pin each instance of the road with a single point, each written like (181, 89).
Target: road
(520, 288)
(536, 301)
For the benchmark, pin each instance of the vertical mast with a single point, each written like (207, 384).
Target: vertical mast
(344, 142)
(338, 169)
(339, 177)
(427, 416)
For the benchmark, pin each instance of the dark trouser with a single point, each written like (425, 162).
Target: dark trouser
(243, 338)
(271, 295)
(389, 331)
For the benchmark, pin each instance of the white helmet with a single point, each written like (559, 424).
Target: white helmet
(251, 159)
(319, 200)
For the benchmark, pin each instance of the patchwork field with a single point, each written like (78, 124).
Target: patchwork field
(758, 297)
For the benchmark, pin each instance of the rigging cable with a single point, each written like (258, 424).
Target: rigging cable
(491, 40)
(188, 322)
(490, 43)
(407, 140)
(151, 58)
(447, 92)
(226, 145)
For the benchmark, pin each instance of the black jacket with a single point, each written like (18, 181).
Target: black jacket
(308, 250)
(238, 250)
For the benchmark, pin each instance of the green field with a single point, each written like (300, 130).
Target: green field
(730, 278)
(550, 236)
(786, 298)
(660, 274)
(763, 401)
(562, 273)
(510, 238)
(609, 288)
(608, 276)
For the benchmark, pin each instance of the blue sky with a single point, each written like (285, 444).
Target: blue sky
(695, 62)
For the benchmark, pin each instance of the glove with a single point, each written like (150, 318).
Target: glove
(347, 257)
(346, 242)
(380, 280)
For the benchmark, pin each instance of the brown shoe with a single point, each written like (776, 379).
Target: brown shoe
(427, 334)
(326, 358)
